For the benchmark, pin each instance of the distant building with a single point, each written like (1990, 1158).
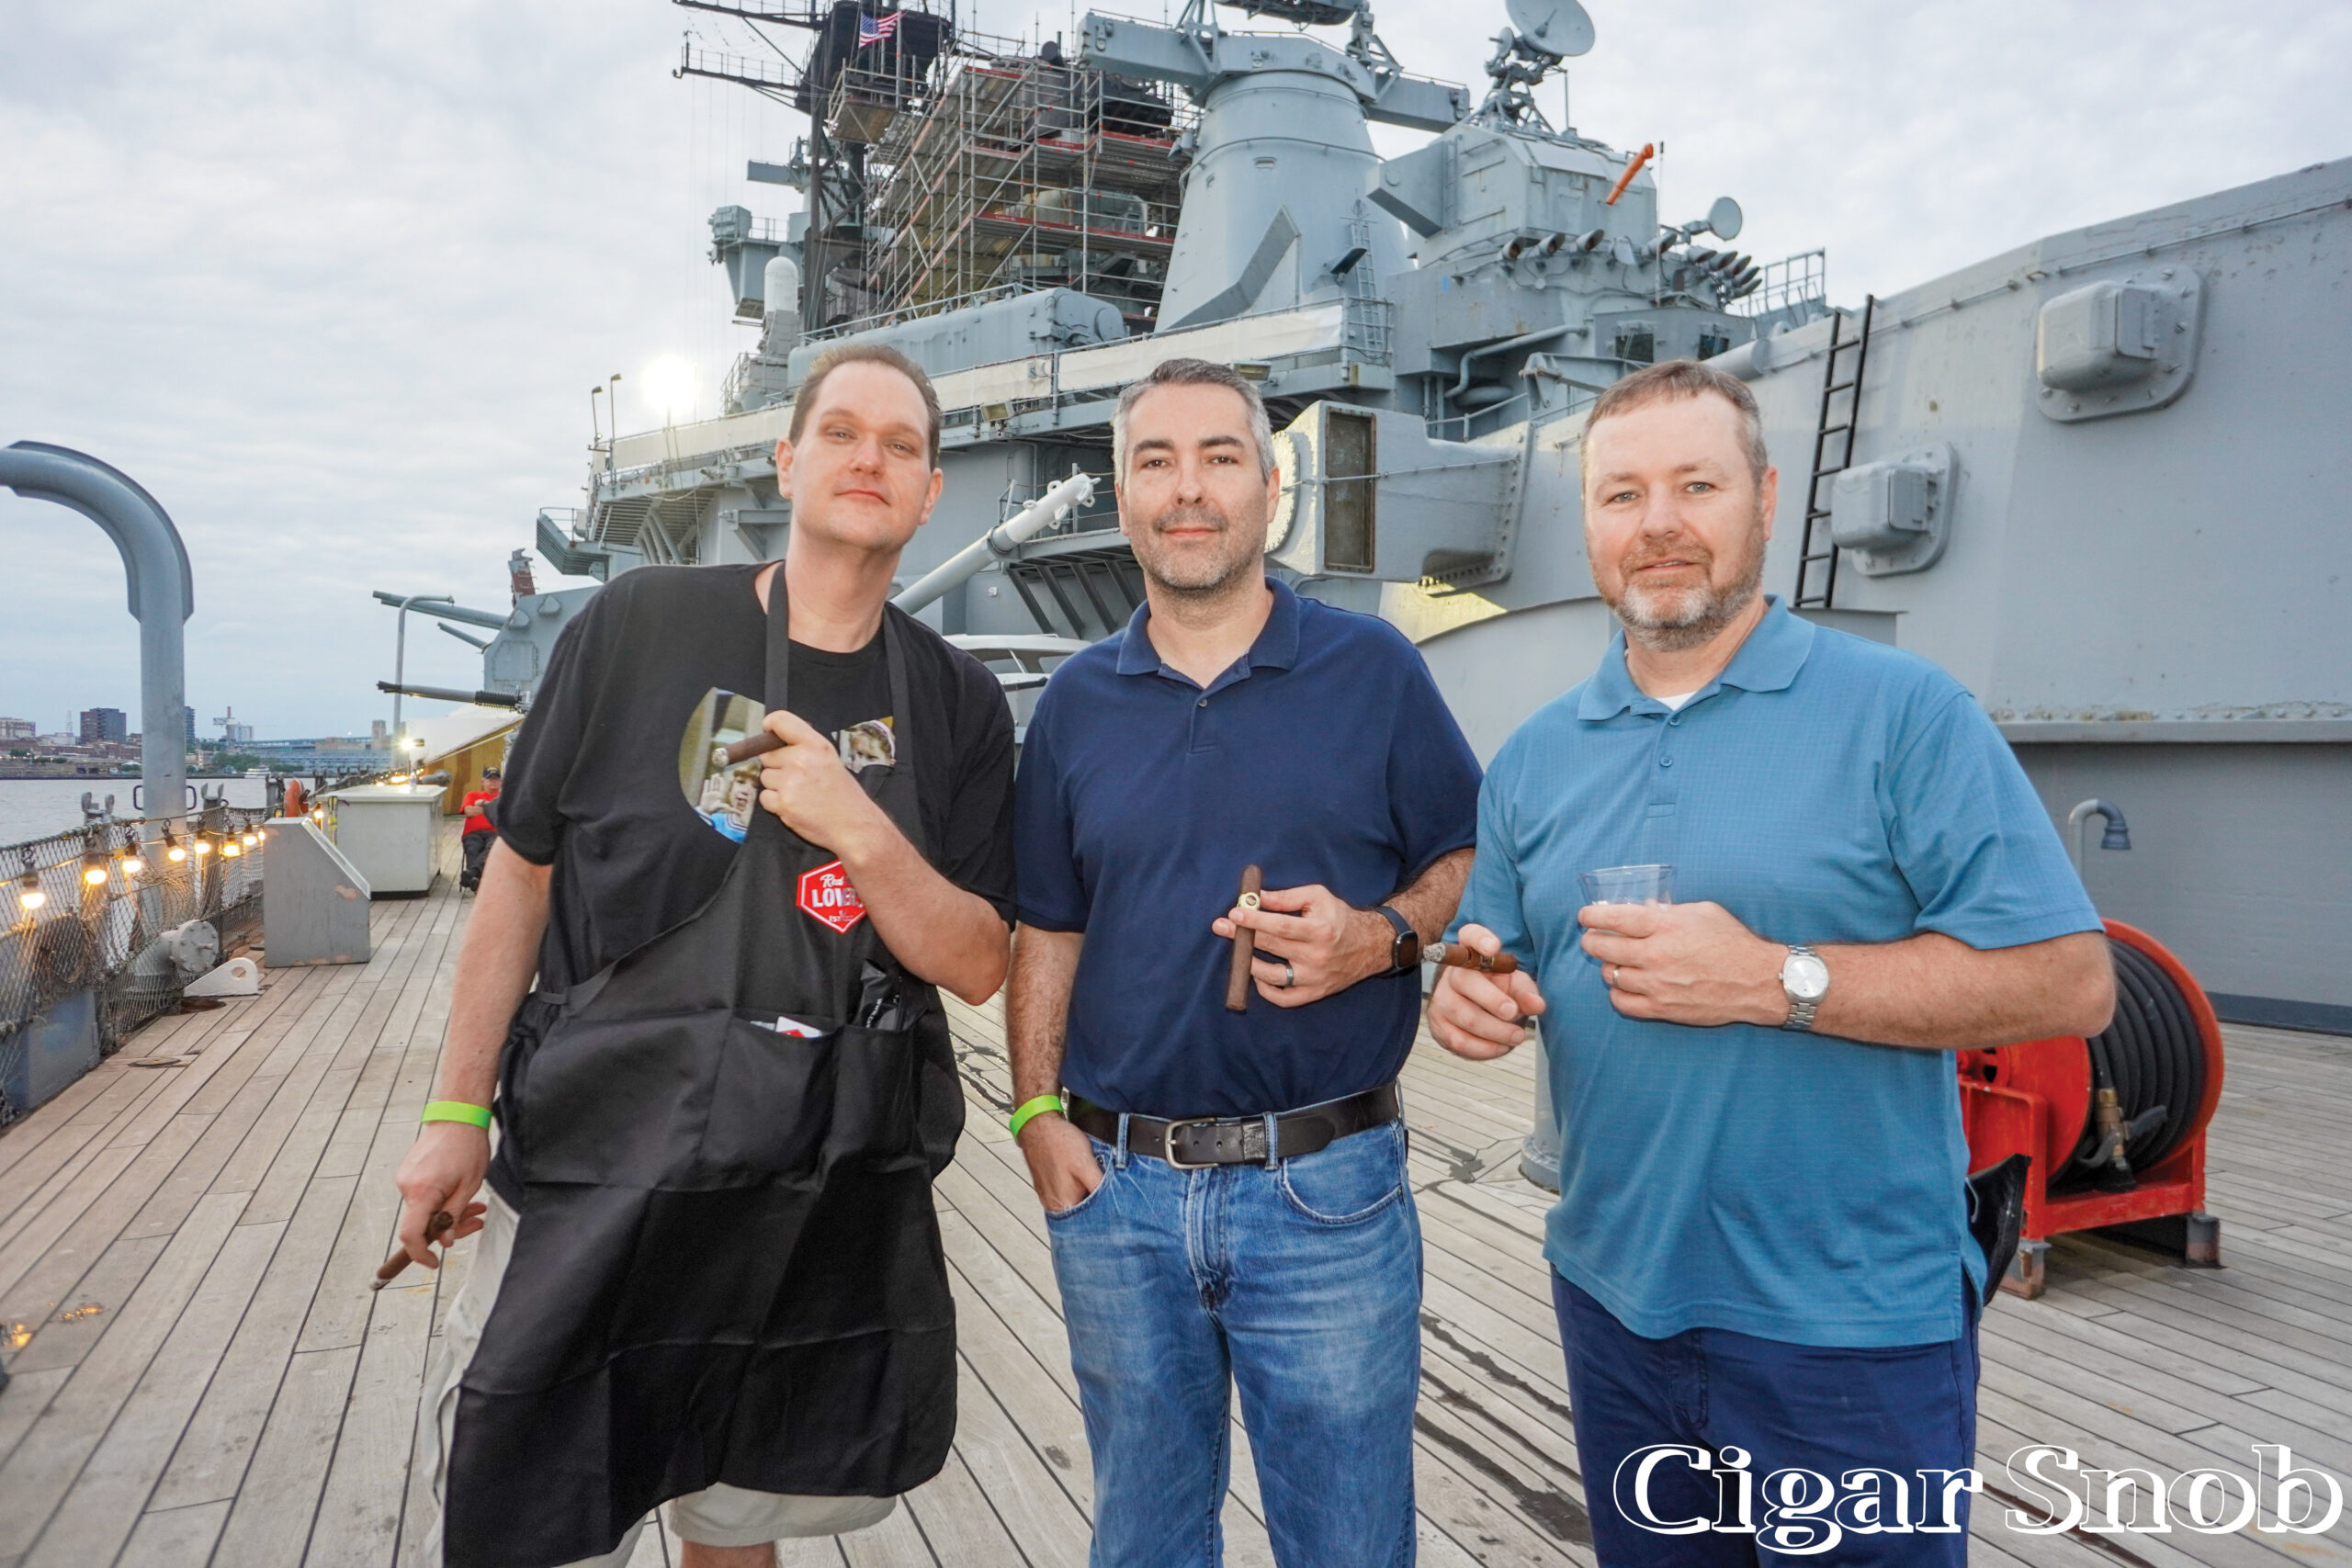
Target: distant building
(380, 737)
(18, 730)
(104, 723)
(191, 724)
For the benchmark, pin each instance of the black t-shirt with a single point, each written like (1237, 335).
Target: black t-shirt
(598, 782)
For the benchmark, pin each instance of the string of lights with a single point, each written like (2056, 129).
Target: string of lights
(92, 906)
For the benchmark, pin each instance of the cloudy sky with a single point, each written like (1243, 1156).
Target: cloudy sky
(332, 281)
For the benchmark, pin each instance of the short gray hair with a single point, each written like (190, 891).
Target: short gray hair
(1674, 382)
(1192, 373)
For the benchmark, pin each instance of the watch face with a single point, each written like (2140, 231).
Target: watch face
(1804, 978)
(1408, 954)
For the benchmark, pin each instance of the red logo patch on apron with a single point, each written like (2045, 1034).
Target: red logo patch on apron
(825, 892)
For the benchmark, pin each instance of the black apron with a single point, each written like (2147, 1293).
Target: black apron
(727, 1266)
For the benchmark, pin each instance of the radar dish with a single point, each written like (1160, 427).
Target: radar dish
(1308, 13)
(1724, 219)
(1556, 28)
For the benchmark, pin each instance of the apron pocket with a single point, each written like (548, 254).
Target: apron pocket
(621, 1101)
(783, 1106)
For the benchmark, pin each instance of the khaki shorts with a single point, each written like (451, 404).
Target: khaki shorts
(722, 1516)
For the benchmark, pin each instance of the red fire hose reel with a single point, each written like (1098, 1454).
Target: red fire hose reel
(2115, 1125)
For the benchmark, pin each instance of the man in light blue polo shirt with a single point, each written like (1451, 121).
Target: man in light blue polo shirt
(1762, 1253)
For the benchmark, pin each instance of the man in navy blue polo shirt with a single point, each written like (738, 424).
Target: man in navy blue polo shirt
(1225, 1192)
(1761, 1252)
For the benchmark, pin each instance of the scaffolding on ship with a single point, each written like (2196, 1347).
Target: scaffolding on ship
(1024, 173)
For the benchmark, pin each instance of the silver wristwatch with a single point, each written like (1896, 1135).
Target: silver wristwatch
(1804, 978)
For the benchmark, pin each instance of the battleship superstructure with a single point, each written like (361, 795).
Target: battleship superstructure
(2085, 476)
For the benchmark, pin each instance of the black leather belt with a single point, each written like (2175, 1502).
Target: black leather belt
(1193, 1143)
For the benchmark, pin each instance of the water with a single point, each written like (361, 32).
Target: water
(34, 808)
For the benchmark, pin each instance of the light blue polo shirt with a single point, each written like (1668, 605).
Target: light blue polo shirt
(1825, 789)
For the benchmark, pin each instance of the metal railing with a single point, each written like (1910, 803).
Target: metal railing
(89, 909)
(1794, 281)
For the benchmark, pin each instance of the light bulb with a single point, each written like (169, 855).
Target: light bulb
(133, 866)
(203, 846)
(32, 898)
(250, 839)
(96, 876)
(231, 850)
(175, 854)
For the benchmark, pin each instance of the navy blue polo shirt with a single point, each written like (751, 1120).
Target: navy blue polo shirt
(1822, 789)
(1324, 755)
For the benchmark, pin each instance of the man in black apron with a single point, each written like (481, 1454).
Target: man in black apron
(710, 1273)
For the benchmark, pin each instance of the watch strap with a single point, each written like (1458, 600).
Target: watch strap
(1404, 930)
(1801, 1010)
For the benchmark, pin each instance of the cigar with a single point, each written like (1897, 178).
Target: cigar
(1245, 945)
(1454, 956)
(758, 743)
(435, 1229)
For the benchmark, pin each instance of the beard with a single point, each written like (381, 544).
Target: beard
(1204, 570)
(1670, 620)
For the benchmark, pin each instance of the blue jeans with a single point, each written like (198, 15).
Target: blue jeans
(1300, 1284)
(1837, 1442)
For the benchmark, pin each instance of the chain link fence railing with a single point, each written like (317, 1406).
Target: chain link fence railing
(104, 909)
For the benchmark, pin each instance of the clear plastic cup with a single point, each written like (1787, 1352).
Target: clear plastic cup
(1629, 885)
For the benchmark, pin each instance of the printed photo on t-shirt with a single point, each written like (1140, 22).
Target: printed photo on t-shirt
(725, 794)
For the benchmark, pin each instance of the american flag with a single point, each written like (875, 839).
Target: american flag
(874, 30)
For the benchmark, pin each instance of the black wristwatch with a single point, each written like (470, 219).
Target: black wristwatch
(1405, 953)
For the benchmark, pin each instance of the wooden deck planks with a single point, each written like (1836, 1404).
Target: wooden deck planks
(242, 1399)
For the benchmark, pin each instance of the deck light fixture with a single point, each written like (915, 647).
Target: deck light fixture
(29, 896)
(173, 850)
(133, 862)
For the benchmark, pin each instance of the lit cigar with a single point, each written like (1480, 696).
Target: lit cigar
(1454, 956)
(435, 1229)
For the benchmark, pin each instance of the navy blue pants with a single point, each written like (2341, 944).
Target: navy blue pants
(1717, 1450)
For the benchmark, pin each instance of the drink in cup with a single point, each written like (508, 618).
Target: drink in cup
(1629, 885)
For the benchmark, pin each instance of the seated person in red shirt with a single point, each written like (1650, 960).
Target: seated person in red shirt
(478, 835)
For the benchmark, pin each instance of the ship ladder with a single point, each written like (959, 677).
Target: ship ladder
(1817, 562)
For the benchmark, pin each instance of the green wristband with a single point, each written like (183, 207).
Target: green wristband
(457, 1111)
(1036, 1107)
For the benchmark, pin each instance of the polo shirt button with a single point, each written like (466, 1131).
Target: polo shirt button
(1202, 702)
(1666, 761)
(1675, 720)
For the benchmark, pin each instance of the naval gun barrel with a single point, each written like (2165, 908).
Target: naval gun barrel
(997, 542)
(494, 619)
(450, 695)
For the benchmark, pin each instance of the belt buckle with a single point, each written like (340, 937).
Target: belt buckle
(1167, 1143)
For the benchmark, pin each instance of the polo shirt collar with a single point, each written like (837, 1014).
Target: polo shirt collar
(1276, 647)
(1768, 661)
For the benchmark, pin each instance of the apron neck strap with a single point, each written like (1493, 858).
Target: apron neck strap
(778, 697)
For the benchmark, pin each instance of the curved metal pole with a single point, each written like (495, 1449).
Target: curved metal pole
(162, 595)
(399, 656)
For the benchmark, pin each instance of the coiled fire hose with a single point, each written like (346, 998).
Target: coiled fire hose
(2147, 1077)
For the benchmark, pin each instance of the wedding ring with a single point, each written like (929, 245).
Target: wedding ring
(1290, 976)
